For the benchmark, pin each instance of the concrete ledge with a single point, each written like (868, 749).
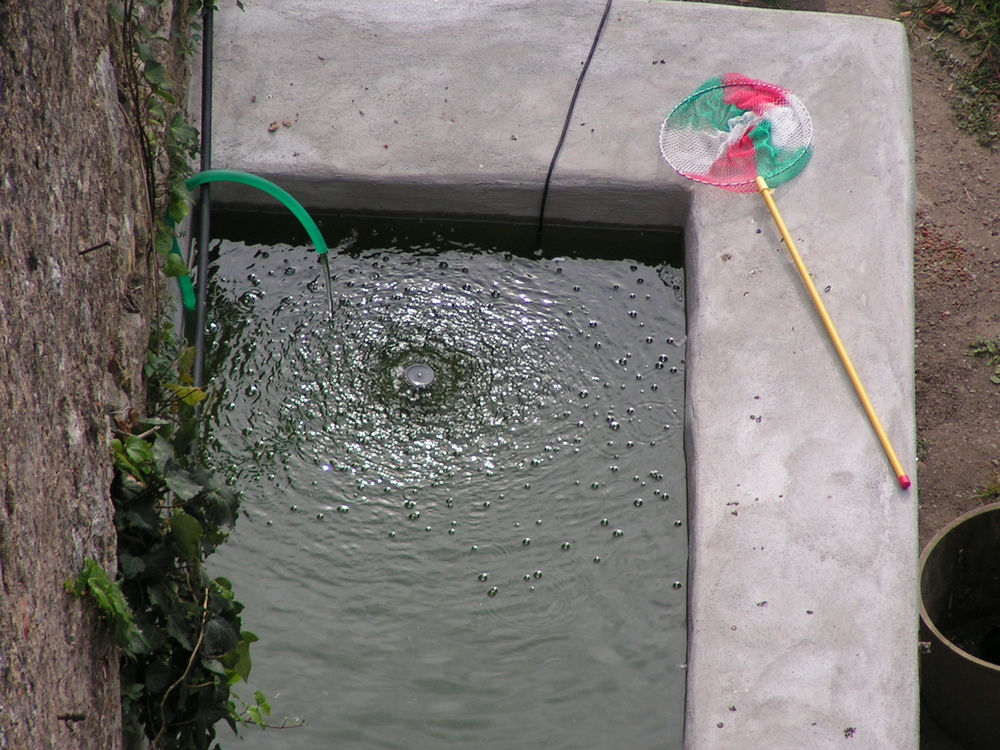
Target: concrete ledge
(803, 596)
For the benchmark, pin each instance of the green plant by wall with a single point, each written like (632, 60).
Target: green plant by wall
(183, 642)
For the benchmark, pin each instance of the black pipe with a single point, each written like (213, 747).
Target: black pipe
(204, 206)
(569, 117)
(205, 198)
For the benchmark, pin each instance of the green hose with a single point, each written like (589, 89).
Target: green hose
(244, 178)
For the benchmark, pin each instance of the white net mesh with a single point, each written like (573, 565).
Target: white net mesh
(733, 129)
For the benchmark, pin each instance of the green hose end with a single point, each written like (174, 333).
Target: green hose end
(187, 292)
(245, 178)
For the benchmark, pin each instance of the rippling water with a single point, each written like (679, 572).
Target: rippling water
(496, 561)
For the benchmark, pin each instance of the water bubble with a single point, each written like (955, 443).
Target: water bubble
(409, 504)
(392, 534)
(632, 313)
(677, 584)
(673, 369)
(269, 523)
(597, 344)
(294, 507)
(474, 547)
(486, 503)
(343, 509)
(538, 522)
(320, 516)
(678, 522)
(592, 323)
(637, 502)
(583, 394)
(414, 515)
(614, 425)
(649, 339)
(594, 485)
(659, 365)
(427, 528)
(451, 531)
(605, 522)
(493, 591)
(565, 545)
(576, 289)
(526, 541)
(597, 558)
(617, 532)
(613, 468)
(290, 271)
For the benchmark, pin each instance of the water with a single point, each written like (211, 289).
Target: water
(497, 560)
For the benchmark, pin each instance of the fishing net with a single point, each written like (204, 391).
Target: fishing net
(734, 129)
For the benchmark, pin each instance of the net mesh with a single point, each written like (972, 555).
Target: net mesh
(734, 128)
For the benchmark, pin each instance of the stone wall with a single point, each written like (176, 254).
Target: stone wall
(73, 333)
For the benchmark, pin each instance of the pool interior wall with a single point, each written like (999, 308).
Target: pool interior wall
(803, 597)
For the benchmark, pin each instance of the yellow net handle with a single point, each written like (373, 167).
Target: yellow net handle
(765, 191)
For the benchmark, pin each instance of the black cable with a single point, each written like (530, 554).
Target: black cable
(569, 118)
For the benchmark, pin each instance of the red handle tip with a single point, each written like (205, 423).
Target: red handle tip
(904, 482)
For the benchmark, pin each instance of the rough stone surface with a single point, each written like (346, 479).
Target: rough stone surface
(73, 331)
(803, 602)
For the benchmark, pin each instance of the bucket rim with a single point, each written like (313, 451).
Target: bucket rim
(928, 550)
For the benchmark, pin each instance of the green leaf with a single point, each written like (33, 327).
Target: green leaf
(187, 532)
(182, 484)
(995, 379)
(155, 73)
(220, 638)
(117, 12)
(164, 241)
(262, 703)
(110, 601)
(163, 451)
(240, 658)
(177, 628)
(185, 365)
(131, 565)
(175, 266)
(139, 452)
(188, 393)
(180, 202)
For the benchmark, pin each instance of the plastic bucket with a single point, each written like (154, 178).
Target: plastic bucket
(960, 628)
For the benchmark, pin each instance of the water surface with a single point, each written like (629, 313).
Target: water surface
(498, 561)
